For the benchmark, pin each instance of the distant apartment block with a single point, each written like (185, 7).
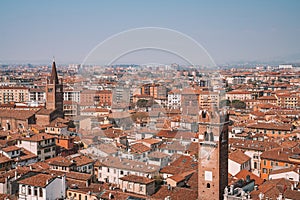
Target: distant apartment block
(13, 94)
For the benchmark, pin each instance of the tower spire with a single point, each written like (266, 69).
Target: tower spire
(54, 77)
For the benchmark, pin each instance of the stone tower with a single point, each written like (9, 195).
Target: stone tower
(54, 91)
(213, 154)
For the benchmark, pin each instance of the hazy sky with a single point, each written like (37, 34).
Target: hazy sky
(263, 30)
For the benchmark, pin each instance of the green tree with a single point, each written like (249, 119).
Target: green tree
(224, 102)
(237, 104)
(141, 103)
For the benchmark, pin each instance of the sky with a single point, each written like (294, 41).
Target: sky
(34, 31)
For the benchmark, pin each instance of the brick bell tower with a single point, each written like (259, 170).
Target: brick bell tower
(54, 91)
(213, 154)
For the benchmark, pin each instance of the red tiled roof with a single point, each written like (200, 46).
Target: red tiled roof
(59, 161)
(139, 148)
(38, 137)
(10, 148)
(238, 157)
(180, 165)
(137, 179)
(271, 126)
(39, 180)
(244, 173)
(177, 193)
(80, 160)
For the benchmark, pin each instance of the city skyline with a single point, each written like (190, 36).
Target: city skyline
(234, 31)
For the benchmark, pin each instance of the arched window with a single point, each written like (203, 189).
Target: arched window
(255, 165)
(211, 136)
(203, 114)
(208, 185)
(206, 136)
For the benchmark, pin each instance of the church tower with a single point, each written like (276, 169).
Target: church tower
(54, 91)
(213, 154)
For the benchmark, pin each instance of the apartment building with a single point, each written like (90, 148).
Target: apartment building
(174, 99)
(238, 95)
(42, 187)
(111, 169)
(13, 94)
(42, 145)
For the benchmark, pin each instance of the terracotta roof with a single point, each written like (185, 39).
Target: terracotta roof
(238, 157)
(96, 110)
(272, 189)
(252, 144)
(10, 148)
(137, 179)
(25, 155)
(267, 98)
(4, 159)
(150, 141)
(38, 137)
(59, 161)
(78, 176)
(157, 154)
(238, 92)
(180, 165)
(139, 148)
(181, 177)
(176, 145)
(284, 170)
(80, 160)
(127, 164)
(45, 111)
(17, 114)
(39, 180)
(281, 154)
(177, 193)
(271, 126)
(244, 173)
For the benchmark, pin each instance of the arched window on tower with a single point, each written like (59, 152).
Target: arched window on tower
(211, 136)
(8, 126)
(203, 114)
(206, 136)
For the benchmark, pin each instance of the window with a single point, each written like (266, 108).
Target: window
(35, 191)
(272, 163)
(107, 169)
(264, 170)
(207, 185)
(255, 165)
(79, 196)
(121, 172)
(265, 162)
(29, 190)
(141, 188)
(41, 192)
